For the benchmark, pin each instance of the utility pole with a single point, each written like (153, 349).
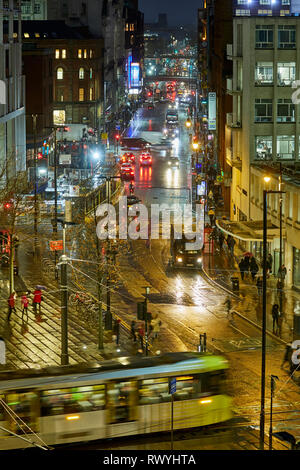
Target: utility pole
(64, 304)
(280, 241)
(34, 118)
(273, 378)
(55, 196)
(100, 318)
(108, 316)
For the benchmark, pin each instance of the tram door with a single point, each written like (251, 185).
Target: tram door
(122, 411)
(25, 405)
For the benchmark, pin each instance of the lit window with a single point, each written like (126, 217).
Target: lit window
(91, 94)
(79, 54)
(286, 73)
(91, 73)
(60, 73)
(263, 146)
(81, 73)
(264, 73)
(127, 27)
(91, 53)
(85, 53)
(59, 116)
(63, 54)
(57, 54)
(26, 35)
(37, 35)
(81, 94)
(286, 147)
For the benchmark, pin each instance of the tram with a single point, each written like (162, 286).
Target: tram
(125, 396)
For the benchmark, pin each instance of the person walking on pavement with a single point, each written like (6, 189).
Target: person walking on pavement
(269, 263)
(11, 304)
(253, 266)
(230, 244)
(24, 304)
(288, 358)
(211, 214)
(37, 300)
(116, 330)
(282, 273)
(141, 334)
(259, 285)
(221, 239)
(156, 323)
(228, 305)
(132, 330)
(242, 266)
(275, 316)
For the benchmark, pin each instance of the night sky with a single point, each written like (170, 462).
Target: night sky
(179, 12)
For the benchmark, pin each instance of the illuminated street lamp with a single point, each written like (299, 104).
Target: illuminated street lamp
(195, 145)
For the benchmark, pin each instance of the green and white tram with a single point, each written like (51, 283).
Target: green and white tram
(121, 397)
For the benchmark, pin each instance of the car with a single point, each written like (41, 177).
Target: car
(134, 143)
(128, 157)
(173, 162)
(150, 106)
(127, 171)
(132, 199)
(145, 158)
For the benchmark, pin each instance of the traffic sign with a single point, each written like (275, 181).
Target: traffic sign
(118, 127)
(104, 136)
(172, 385)
(56, 245)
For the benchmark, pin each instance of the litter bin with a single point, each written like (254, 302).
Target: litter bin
(235, 283)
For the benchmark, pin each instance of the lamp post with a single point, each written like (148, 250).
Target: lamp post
(280, 241)
(264, 316)
(147, 289)
(273, 378)
(34, 118)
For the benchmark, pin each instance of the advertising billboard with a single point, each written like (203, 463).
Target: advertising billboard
(212, 111)
(134, 75)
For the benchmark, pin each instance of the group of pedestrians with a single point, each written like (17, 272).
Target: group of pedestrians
(36, 303)
(248, 264)
(138, 331)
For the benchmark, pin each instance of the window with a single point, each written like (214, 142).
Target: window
(91, 94)
(91, 53)
(37, 8)
(286, 147)
(263, 147)
(37, 35)
(85, 53)
(57, 55)
(127, 27)
(59, 117)
(60, 94)
(285, 110)
(263, 110)
(60, 73)
(24, 405)
(264, 36)
(264, 73)
(287, 37)
(286, 73)
(63, 54)
(81, 94)
(81, 73)
(131, 27)
(79, 54)
(242, 12)
(284, 12)
(72, 400)
(265, 2)
(91, 73)
(286, 2)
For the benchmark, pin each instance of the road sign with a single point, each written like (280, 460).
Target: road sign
(172, 385)
(118, 127)
(65, 159)
(56, 245)
(104, 136)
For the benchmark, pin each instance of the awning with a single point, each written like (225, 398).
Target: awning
(249, 231)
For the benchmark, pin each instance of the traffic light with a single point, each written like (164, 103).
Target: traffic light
(117, 137)
(7, 205)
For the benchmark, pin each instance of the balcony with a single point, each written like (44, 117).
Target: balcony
(232, 122)
(233, 159)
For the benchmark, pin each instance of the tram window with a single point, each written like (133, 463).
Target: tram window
(73, 400)
(215, 382)
(25, 405)
(121, 401)
(157, 390)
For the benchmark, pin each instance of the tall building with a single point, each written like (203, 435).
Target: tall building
(12, 112)
(263, 133)
(266, 7)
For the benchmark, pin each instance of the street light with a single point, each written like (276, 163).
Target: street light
(273, 378)
(264, 318)
(188, 123)
(147, 291)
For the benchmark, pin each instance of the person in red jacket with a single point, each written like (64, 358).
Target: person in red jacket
(24, 303)
(37, 299)
(11, 304)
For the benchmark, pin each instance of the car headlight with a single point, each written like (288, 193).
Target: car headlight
(179, 260)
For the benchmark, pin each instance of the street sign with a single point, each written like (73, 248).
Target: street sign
(104, 136)
(172, 385)
(118, 127)
(65, 159)
(56, 245)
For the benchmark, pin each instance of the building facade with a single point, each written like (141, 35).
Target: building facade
(12, 108)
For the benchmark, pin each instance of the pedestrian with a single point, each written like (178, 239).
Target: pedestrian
(156, 324)
(269, 263)
(211, 214)
(282, 273)
(141, 334)
(253, 266)
(116, 330)
(37, 300)
(287, 355)
(247, 263)
(259, 285)
(221, 239)
(228, 305)
(11, 304)
(230, 244)
(242, 266)
(132, 330)
(275, 316)
(24, 304)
